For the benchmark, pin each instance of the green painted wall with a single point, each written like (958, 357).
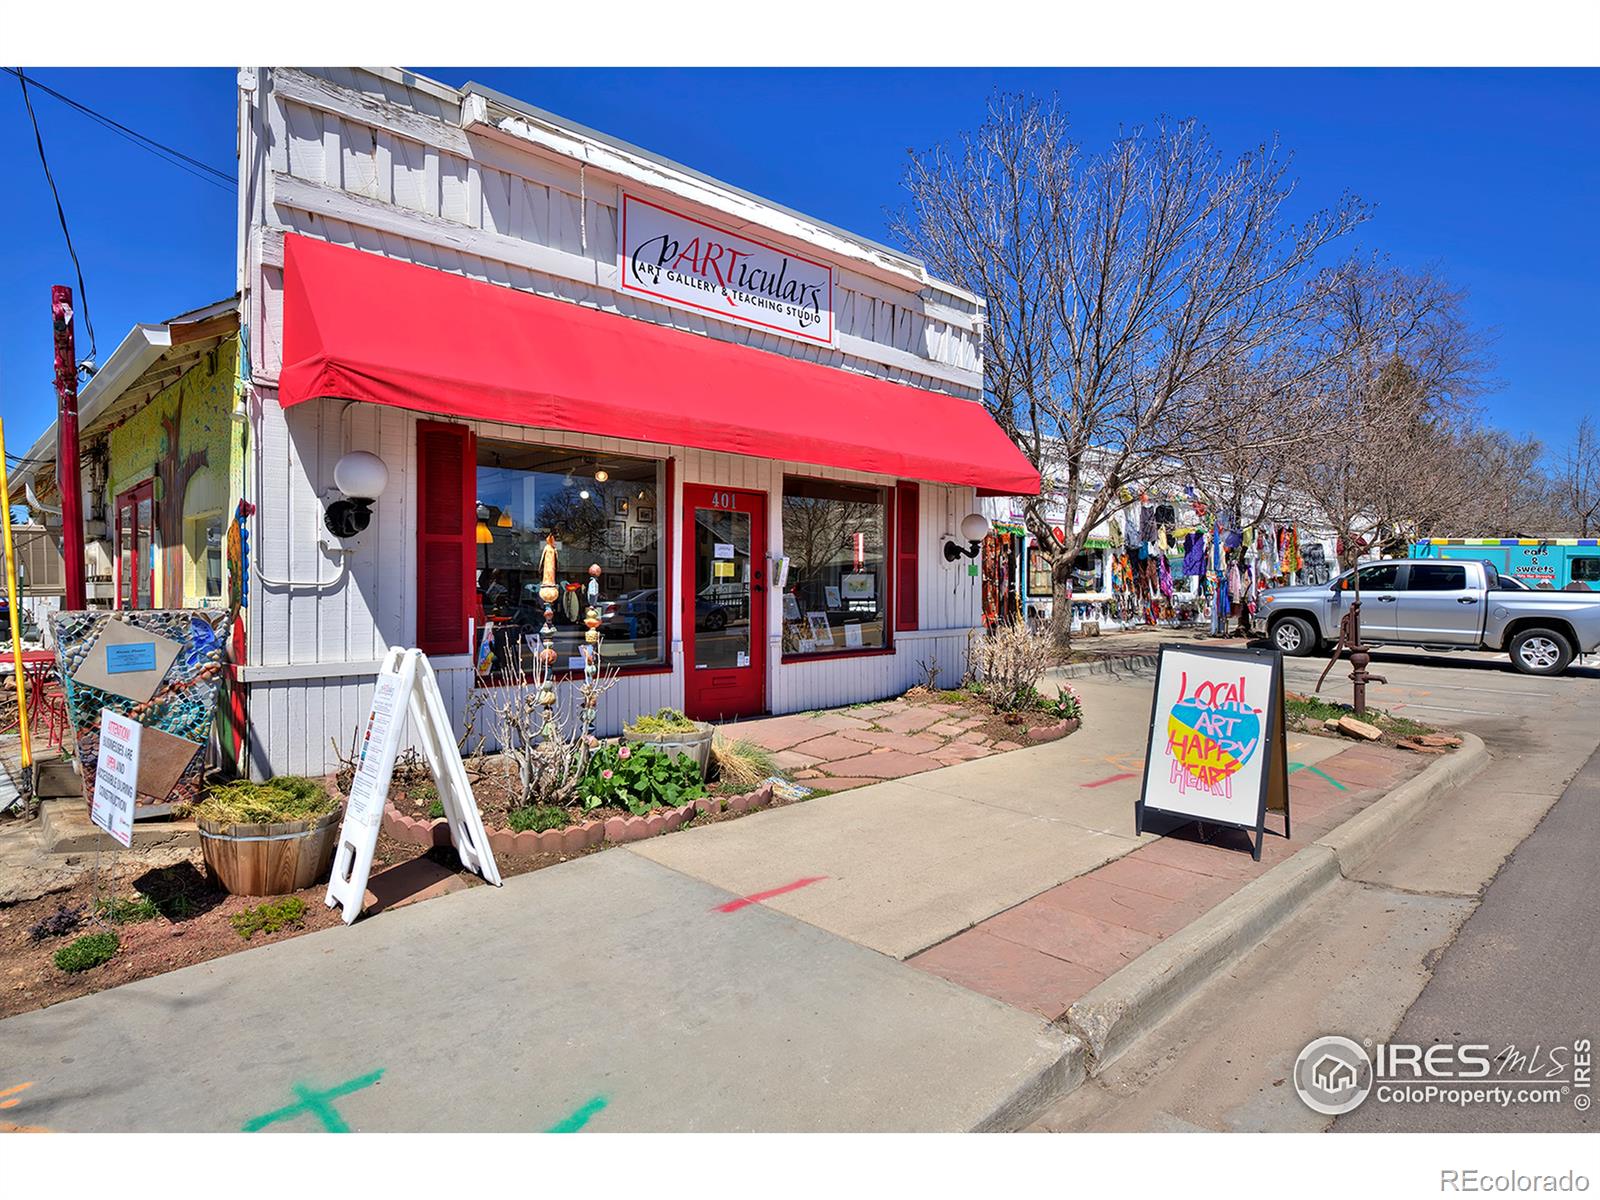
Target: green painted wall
(138, 449)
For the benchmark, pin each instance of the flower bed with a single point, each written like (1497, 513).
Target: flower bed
(581, 835)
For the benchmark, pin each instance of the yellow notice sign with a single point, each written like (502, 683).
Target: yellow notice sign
(721, 569)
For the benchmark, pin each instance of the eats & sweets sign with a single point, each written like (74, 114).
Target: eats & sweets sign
(687, 263)
(1216, 750)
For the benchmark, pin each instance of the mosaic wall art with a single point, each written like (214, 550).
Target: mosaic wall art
(181, 707)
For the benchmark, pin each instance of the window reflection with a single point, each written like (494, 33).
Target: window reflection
(602, 509)
(835, 536)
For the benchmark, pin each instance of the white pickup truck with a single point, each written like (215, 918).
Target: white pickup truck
(1438, 605)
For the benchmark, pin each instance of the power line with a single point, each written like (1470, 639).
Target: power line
(177, 158)
(38, 138)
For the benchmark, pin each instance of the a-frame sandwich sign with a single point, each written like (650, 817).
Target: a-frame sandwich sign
(1216, 751)
(406, 686)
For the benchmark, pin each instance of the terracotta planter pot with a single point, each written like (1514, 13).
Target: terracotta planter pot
(269, 860)
(696, 745)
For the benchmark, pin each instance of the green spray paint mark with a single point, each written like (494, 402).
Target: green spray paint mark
(580, 1118)
(1294, 766)
(316, 1103)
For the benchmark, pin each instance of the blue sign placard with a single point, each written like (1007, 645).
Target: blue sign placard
(125, 658)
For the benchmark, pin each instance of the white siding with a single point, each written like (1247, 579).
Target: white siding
(372, 605)
(378, 161)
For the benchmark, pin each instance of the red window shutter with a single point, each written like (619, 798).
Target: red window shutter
(446, 536)
(908, 514)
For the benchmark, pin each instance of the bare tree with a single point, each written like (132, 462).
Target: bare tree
(1577, 480)
(1266, 416)
(1403, 367)
(1116, 284)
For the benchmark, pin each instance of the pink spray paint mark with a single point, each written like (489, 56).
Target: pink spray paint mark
(1110, 779)
(758, 897)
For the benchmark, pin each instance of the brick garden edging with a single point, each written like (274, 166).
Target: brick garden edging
(573, 838)
(1051, 733)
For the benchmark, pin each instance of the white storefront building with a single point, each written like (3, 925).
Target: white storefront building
(763, 430)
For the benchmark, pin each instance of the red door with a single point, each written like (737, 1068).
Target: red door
(724, 609)
(136, 560)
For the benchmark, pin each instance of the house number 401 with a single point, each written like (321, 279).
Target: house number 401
(721, 499)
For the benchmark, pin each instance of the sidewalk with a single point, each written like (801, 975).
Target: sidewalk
(740, 975)
(1019, 875)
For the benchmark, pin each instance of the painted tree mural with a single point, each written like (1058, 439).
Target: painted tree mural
(174, 471)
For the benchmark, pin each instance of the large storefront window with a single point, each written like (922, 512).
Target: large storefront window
(601, 509)
(835, 537)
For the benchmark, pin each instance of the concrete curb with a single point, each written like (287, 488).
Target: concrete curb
(1148, 990)
(1359, 838)
(1110, 665)
(1056, 1078)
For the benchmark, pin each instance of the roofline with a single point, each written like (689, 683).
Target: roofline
(142, 347)
(884, 257)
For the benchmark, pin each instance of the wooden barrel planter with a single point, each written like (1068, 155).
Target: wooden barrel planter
(695, 745)
(269, 860)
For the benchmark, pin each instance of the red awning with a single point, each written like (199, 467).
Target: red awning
(363, 327)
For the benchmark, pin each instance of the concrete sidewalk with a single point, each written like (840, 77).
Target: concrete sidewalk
(608, 993)
(740, 975)
(906, 864)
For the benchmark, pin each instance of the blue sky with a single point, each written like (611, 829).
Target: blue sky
(1491, 174)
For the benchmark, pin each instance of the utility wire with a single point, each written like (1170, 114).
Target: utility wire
(184, 162)
(83, 292)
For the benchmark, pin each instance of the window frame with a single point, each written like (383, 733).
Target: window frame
(666, 509)
(1428, 567)
(194, 565)
(886, 493)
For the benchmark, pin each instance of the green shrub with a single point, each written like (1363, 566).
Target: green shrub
(664, 720)
(178, 907)
(90, 950)
(537, 818)
(436, 810)
(640, 778)
(127, 912)
(269, 917)
(286, 798)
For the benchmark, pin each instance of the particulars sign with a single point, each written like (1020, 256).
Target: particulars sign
(116, 775)
(687, 263)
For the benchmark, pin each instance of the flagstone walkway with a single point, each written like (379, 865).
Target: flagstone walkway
(1046, 952)
(845, 748)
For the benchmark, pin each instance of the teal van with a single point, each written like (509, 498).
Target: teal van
(1550, 565)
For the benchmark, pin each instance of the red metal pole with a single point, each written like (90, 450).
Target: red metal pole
(67, 478)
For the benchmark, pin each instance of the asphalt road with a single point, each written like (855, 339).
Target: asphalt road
(1524, 971)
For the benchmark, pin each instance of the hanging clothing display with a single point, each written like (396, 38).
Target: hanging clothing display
(1292, 561)
(1194, 555)
(1130, 532)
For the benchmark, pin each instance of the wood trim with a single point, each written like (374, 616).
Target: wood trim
(318, 199)
(872, 652)
(906, 493)
(314, 92)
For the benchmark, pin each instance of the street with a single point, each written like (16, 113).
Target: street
(1357, 960)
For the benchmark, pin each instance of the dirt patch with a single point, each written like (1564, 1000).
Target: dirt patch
(30, 979)
(1309, 714)
(997, 727)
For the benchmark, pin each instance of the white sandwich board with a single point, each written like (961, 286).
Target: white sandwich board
(406, 686)
(1216, 752)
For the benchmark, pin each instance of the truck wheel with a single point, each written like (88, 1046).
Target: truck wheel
(1293, 636)
(1540, 652)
